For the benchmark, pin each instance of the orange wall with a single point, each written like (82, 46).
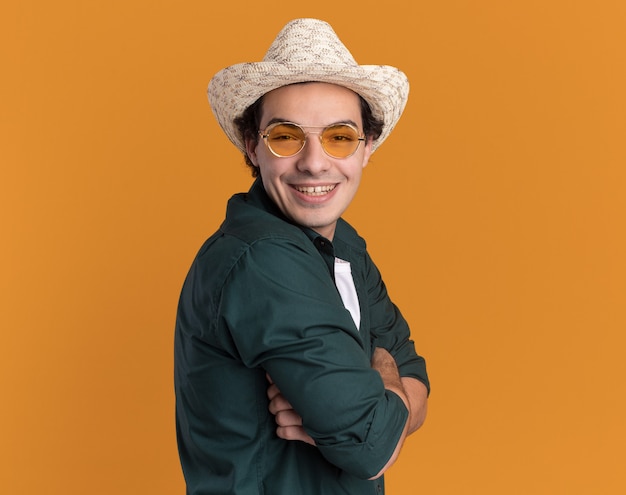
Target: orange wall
(496, 212)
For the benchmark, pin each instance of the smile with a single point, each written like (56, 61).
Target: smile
(315, 190)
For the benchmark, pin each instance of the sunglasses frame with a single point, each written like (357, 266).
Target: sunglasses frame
(264, 133)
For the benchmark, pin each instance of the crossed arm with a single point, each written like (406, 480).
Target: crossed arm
(410, 390)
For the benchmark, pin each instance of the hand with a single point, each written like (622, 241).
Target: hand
(385, 364)
(288, 421)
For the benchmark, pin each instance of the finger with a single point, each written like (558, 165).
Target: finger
(288, 418)
(279, 403)
(272, 391)
(294, 433)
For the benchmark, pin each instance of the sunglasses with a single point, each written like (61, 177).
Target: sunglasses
(285, 139)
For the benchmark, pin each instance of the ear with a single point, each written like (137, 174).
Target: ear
(368, 151)
(251, 151)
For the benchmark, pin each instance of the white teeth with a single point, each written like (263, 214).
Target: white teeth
(316, 191)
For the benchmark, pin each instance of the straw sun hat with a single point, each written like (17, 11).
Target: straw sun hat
(306, 50)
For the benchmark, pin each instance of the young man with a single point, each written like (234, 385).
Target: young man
(295, 373)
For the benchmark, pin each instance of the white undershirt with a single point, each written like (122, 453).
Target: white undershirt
(345, 286)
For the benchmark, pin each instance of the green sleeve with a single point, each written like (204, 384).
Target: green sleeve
(281, 311)
(389, 328)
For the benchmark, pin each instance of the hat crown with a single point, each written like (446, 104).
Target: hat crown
(310, 42)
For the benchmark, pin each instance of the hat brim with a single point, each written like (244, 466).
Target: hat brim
(235, 88)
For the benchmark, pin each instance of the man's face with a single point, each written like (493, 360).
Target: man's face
(288, 180)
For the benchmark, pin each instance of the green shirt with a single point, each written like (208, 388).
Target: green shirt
(260, 298)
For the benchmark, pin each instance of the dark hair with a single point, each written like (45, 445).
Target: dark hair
(250, 120)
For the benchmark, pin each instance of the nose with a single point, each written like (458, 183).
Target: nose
(312, 158)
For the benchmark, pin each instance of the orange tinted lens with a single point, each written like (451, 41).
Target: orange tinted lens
(340, 140)
(285, 139)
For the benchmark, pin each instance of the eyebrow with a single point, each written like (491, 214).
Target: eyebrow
(277, 120)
